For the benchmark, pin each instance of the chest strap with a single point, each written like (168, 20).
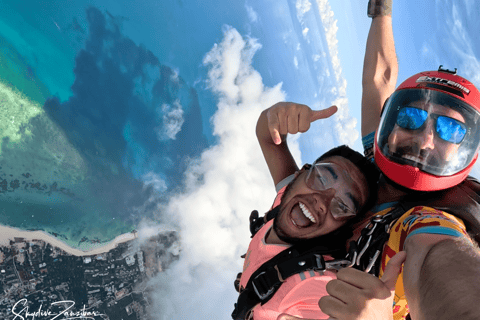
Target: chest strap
(268, 278)
(263, 284)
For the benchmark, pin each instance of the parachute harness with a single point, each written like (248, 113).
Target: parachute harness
(364, 253)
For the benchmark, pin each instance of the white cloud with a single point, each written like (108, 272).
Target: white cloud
(345, 125)
(223, 186)
(305, 32)
(174, 76)
(460, 32)
(461, 43)
(295, 62)
(330, 28)
(154, 180)
(172, 116)
(303, 6)
(327, 72)
(252, 15)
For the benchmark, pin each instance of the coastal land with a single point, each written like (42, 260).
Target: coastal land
(8, 234)
(40, 274)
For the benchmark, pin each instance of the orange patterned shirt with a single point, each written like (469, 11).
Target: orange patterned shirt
(418, 220)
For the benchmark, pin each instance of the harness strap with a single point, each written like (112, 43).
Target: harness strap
(256, 222)
(369, 246)
(266, 280)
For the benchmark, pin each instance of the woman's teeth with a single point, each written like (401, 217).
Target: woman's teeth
(306, 212)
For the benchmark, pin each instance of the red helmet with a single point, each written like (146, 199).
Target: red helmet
(428, 137)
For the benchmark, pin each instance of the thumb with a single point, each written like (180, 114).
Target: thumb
(322, 114)
(392, 270)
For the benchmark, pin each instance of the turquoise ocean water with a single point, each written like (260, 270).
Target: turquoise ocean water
(50, 179)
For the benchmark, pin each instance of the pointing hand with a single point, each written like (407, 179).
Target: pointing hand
(289, 117)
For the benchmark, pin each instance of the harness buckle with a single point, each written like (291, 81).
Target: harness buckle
(321, 265)
(262, 287)
(338, 264)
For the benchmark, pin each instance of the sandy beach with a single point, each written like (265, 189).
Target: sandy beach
(9, 233)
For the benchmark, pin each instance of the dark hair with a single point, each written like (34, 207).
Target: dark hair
(366, 167)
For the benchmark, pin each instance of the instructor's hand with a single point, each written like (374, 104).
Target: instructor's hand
(356, 295)
(361, 296)
(289, 117)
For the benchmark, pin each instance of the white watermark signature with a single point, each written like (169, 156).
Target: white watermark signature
(65, 313)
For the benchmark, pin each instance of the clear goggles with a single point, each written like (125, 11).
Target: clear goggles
(402, 135)
(324, 176)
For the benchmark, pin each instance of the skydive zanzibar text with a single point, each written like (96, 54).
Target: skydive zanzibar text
(47, 314)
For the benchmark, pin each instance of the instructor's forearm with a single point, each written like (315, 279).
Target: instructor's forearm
(448, 283)
(380, 70)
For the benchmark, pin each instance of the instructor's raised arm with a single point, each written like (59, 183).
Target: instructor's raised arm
(380, 67)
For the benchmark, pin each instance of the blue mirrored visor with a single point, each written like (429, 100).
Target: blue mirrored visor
(447, 128)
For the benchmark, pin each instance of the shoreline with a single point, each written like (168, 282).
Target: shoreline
(10, 233)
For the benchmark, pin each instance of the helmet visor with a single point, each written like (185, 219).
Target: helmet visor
(429, 130)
